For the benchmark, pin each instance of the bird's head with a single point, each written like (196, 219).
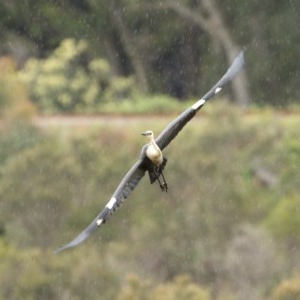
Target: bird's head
(149, 134)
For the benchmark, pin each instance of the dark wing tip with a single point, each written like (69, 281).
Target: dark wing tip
(234, 68)
(231, 72)
(237, 65)
(81, 237)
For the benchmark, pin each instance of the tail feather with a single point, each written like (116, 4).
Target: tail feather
(152, 176)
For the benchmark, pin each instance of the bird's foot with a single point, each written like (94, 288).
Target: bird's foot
(164, 187)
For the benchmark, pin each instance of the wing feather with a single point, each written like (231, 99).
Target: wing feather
(171, 131)
(127, 185)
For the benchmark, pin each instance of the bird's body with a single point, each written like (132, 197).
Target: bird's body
(153, 152)
(151, 159)
(155, 161)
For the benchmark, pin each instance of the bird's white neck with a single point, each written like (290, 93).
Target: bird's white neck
(153, 152)
(153, 143)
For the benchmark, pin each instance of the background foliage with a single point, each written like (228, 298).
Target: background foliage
(227, 225)
(68, 81)
(169, 47)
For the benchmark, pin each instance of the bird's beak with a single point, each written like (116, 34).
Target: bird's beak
(145, 133)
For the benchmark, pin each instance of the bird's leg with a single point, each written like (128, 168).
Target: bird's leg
(163, 185)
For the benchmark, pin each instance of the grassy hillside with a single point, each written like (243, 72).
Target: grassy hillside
(227, 229)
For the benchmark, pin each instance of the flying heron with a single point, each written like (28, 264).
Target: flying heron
(151, 158)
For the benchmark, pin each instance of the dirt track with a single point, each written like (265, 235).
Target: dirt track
(122, 120)
(87, 121)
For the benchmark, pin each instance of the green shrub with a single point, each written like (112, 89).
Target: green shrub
(69, 81)
(32, 273)
(181, 288)
(145, 105)
(284, 220)
(16, 137)
(34, 187)
(14, 99)
(287, 290)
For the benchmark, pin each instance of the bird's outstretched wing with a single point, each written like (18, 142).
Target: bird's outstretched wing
(170, 132)
(134, 175)
(127, 185)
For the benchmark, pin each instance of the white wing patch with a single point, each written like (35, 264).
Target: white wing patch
(111, 203)
(218, 89)
(99, 222)
(198, 104)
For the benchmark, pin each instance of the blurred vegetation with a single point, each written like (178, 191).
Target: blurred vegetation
(228, 228)
(180, 288)
(14, 99)
(287, 290)
(68, 82)
(152, 48)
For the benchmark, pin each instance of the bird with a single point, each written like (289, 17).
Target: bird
(155, 161)
(151, 159)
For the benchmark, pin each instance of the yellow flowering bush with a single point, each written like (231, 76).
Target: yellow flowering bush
(69, 82)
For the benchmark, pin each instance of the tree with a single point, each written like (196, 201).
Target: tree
(207, 15)
(166, 45)
(132, 50)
